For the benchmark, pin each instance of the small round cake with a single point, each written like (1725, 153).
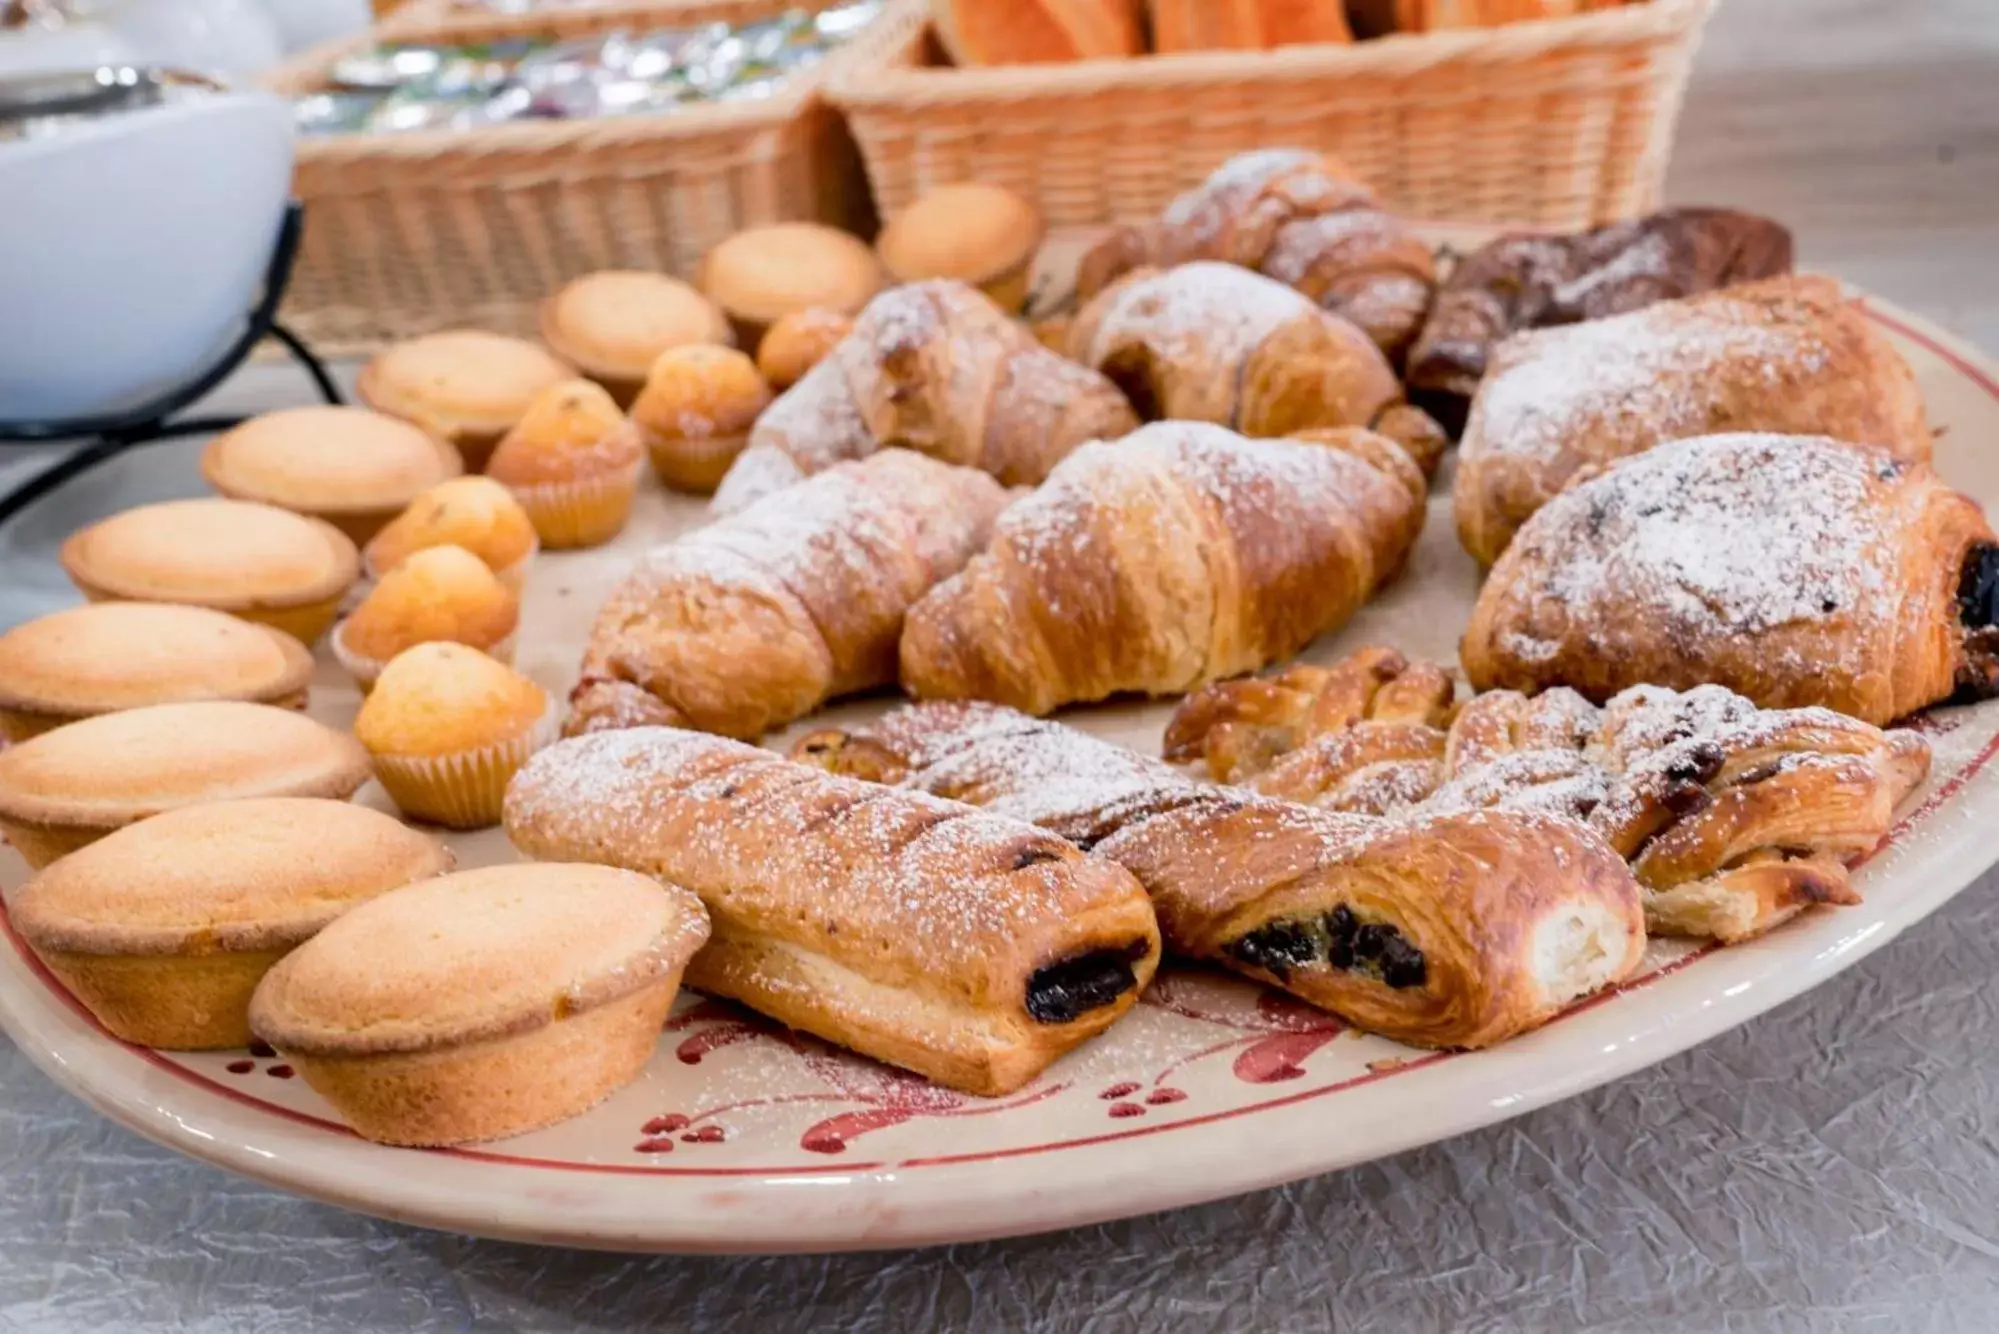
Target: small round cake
(799, 341)
(613, 325)
(573, 463)
(259, 562)
(465, 386)
(109, 656)
(438, 595)
(482, 1004)
(67, 788)
(447, 728)
(696, 412)
(353, 468)
(759, 275)
(475, 513)
(980, 234)
(164, 929)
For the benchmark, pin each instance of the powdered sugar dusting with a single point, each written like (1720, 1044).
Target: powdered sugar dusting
(1200, 310)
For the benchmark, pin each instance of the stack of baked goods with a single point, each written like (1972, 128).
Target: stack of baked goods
(1024, 32)
(1718, 568)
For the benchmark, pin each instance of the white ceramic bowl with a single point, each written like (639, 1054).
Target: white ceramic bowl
(132, 247)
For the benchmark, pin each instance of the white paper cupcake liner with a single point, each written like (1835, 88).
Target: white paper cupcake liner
(466, 789)
(582, 513)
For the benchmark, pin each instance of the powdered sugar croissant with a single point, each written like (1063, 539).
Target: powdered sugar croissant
(1734, 818)
(1298, 217)
(938, 368)
(1794, 570)
(1457, 931)
(1786, 355)
(1175, 556)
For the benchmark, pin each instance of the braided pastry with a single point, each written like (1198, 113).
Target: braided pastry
(1734, 818)
(1176, 556)
(1795, 570)
(1300, 218)
(1456, 931)
(938, 368)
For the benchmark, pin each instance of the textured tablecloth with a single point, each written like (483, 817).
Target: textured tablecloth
(1830, 1166)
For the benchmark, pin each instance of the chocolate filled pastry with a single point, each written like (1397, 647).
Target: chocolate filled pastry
(937, 368)
(1300, 218)
(1178, 555)
(1457, 931)
(760, 617)
(1787, 355)
(1534, 281)
(1212, 342)
(967, 947)
(1734, 818)
(1794, 570)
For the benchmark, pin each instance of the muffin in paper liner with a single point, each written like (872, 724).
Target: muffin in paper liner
(586, 512)
(464, 789)
(513, 577)
(366, 670)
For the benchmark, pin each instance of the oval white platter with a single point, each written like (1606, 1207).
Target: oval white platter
(742, 1137)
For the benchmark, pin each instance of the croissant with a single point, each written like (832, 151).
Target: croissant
(1300, 218)
(938, 368)
(969, 948)
(1532, 281)
(1244, 25)
(1734, 818)
(1037, 32)
(1790, 354)
(1794, 570)
(1179, 555)
(1459, 931)
(760, 617)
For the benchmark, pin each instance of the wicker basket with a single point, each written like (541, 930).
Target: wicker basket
(413, 232)
(1561, 123)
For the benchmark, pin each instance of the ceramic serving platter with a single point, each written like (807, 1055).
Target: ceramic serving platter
(741, 1136)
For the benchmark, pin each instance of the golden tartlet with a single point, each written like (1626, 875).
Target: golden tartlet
(67, 788)
(464, 386)
(109, 656)
(695, 414)
(482, 1004)
(799, 341)
(164, 928)
(447, 728)
(613, 325)
(259, 562)
(980, 234)
(438, 595)
(573, 463)
(353, 468)
(767, 272)
(476, 513)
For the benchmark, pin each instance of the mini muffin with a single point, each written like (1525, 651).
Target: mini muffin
(109, 656)
(463, 386)
(72, 786)
(765, 273)
(979, 234)
(439, 595)
(475, 513)
(258, 562)
(353, 468)
(695, 414)
(447, 727)
(164, 928)
(483, 1004)
(573, 463)
(798, 342)
(613, 325)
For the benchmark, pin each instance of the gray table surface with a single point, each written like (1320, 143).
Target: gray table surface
(1833, 1165)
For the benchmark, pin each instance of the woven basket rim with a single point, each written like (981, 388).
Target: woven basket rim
(1405, 54)
(872, 48)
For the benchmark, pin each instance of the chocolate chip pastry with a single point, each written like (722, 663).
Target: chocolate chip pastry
(1734, 818)
(1457, 931)
(967, 947)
